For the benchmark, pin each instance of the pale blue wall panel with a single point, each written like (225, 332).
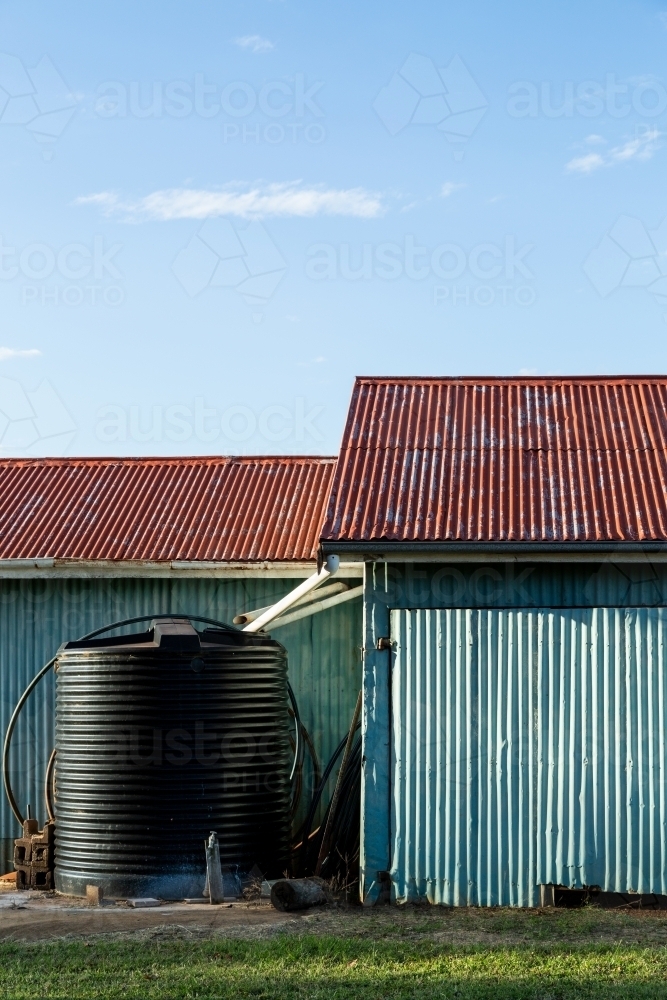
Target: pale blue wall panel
(463, 757)
(602, 747)
(528, 747)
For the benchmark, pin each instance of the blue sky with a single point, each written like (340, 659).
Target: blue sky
(215, 215)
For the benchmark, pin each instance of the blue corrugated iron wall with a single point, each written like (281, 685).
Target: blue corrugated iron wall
(603, 749)
(612, 583)
(463, 755)
(37, 615)
(528, 747)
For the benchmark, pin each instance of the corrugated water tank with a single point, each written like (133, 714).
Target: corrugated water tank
(162, 737)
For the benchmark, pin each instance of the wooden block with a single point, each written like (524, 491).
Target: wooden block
(547, 895)
(94, 894)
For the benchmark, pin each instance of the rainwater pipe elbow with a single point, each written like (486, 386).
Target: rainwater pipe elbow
(330, 568)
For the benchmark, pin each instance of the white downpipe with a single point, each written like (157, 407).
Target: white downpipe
(330, 567)
(249, 616)
(317, 606)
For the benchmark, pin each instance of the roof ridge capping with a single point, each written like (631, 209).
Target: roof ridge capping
(510, 379)
(167, 459)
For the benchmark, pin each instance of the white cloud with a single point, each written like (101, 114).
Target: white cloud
(595, 140)
(7, 353)
(528, 371)
(585, 164)
(449, 187)
(641, 147)
(255, 43)
(257, 202)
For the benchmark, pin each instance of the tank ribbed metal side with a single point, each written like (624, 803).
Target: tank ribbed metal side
(157, 748)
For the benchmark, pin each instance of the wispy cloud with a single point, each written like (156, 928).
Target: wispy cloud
(585, 164)
(8, 353)
(255, 43)
(313, 361)
(449, 187)
(641, 147)
(258, 202)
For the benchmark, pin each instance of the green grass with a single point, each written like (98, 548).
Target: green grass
(382, 956)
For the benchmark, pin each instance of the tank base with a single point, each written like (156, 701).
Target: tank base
(181, 885)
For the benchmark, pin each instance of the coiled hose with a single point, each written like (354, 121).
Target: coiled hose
(298, 739)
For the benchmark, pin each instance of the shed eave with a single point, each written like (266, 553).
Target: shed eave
(105, 568)
(407, 551)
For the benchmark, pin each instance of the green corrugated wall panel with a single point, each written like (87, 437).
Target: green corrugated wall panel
(37, 615)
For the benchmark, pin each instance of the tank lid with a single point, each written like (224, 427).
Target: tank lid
(175, 633)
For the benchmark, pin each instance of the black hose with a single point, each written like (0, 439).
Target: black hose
(145, 618)
(8, 736)
(304, 832)
(91, 635)
(48, 787)
(344, 824)
(297, 723)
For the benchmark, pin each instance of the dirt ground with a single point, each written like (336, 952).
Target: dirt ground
(32, 916)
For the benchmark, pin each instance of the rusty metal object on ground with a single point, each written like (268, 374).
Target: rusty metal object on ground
(298, 893)
(33, 856)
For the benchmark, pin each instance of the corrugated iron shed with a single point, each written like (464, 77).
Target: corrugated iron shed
(576, 459)
(161, 509)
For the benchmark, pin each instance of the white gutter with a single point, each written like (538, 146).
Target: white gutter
(22, 564)
(330, 567)
(101, 569)
(317, 606)
(245, 617)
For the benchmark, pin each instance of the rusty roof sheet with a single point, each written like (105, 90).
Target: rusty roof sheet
(503, 459)
(163, 509)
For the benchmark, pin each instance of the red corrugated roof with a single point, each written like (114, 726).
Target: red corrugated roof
(161, 509)
(503, 459)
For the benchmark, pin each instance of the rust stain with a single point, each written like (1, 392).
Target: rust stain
(163, 509)
(503, 459)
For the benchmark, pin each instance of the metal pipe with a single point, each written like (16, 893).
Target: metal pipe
(249, 616)
(317, 606)
(328, 569)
